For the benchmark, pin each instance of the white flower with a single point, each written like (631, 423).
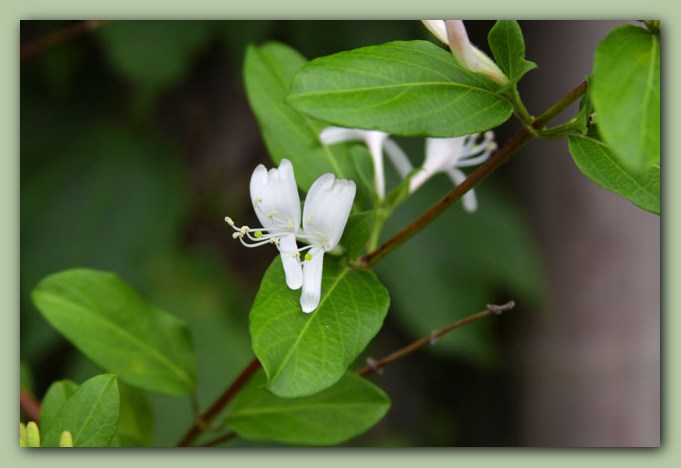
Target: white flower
(325, 214)
(448, 155)
(277, 205)
(453, 33)
(377, 142)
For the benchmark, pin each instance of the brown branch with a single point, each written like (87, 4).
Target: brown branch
(29, 404)
(501, 156)
(205, 419)
(378, 365)
(38, 45)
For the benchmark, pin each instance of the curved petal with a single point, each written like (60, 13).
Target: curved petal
(438, 28)
(470, 56)
(291, 262)
(312, 281)
(333, 135)
(374, 140)
(470, 203)
(275, 197)
(326, 211)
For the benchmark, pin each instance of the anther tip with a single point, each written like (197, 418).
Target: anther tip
(489, 134)
(229, 220)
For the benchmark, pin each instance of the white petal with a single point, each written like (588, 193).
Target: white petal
(312, 281)
(437, 27)
(275, 197)
(470, 203)
(442, 153)
(470, 56)
(374, 140)
(333, 135)
(398, 158)
(291, 262)
(326, 211)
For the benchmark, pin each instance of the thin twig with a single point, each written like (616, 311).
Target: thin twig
(219, 440)
(38, 45)
(378, 365)
(501, 156)
(29, 404)
(204, 420)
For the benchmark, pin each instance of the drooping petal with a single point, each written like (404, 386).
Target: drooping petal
(312, 280)
(275, 197)
(374, 141)
(441, 154)
(290, 260)
(326, 211)
(470, 203)
(438, 28)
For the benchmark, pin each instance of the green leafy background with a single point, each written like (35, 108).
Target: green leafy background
(137, 139)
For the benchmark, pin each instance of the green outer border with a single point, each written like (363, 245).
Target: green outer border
(14, 11)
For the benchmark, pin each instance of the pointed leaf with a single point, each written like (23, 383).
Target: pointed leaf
(120, 331)
(268, 71)
(90, 414)
(303, 354)
(626, 95)
(403, 87)
(599, 163)
(508, 46)
(345, 410)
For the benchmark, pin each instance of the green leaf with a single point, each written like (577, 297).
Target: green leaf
(345, 410)
(599, 163)
(120, 331)
(402, 87)
(54, 399)
(90, 414)
(136, 423)
(508, 47)
(626, 95)
(357, 232)
(303, 354)
(268, 71)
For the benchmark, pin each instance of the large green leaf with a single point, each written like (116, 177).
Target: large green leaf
(303, 353)
(402, 87)
(626, 95)
(508, 46)
(598, 162)
(120, 331)
(90, 414)
(345, 410)
(268, 71)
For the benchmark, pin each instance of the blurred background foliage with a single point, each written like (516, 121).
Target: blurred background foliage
(136, 140)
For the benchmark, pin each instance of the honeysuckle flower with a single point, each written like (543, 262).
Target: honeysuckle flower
(326, 211)
(453, 33)
(377, 142)
(448, 155)
(277, 205)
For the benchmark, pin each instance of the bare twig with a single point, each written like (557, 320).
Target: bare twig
(29, 404)
(36, 46)
(378, 365)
